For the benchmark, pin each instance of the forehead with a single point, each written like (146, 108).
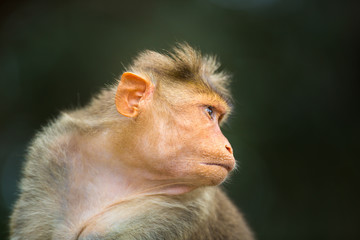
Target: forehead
(194, 94)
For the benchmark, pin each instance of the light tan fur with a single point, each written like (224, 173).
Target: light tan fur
(150, 174)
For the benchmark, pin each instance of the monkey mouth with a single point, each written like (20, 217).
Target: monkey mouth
(227, 166)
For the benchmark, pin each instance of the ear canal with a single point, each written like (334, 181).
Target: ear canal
(131, 89)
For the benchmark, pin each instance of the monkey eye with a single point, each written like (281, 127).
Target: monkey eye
(210, 111)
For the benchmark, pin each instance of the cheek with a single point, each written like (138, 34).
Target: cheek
(202, 147)
(177, 147)
(159, 146)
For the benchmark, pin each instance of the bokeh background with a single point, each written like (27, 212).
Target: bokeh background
(295, 129)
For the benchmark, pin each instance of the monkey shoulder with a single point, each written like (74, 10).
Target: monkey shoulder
(205, 213)
(44, 181)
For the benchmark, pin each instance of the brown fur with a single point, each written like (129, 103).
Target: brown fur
(59, 195)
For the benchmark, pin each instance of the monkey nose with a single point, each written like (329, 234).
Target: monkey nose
(229, 149)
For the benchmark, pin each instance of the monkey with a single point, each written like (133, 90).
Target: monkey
(143, 160)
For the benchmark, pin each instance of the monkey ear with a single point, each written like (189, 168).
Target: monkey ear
(131, 89)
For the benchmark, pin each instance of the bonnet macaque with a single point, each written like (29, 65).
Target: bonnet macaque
(142, 161)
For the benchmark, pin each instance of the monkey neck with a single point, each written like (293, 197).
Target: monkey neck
(100, 162)
(99, 180)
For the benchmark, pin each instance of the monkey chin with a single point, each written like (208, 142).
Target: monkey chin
(215, 174)
(204, 174)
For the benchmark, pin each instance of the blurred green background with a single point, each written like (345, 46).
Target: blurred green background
(295, 129)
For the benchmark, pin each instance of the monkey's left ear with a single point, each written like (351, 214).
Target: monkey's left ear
(132, 88)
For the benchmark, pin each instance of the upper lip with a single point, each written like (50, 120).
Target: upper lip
(227, 166)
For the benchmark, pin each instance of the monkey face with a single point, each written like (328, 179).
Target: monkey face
(183, 142)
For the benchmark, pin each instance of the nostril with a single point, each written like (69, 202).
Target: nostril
(229, 149)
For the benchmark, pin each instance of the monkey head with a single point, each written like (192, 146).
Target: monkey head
(173, 132)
